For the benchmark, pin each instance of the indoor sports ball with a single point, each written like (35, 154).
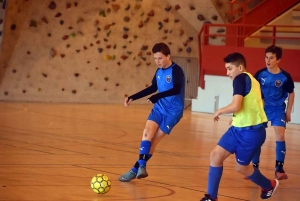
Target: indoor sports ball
(100, 183)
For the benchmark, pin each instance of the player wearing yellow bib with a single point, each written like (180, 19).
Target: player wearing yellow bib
(247, 133)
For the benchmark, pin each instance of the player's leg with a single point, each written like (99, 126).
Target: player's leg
(166, 125)
(145, 147)
(279, 124)
(256, 158)
(249, 142)
(277, 116)
(225, 147)
(155, 140)
(150, 130)
(280, 152)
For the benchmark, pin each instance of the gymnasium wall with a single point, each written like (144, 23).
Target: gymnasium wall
(92, 51)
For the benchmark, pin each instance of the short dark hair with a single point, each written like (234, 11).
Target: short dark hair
(162, 48)
(236, 59)
(275, 50)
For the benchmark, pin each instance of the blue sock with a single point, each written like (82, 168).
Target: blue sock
(260, 179)
(144, 152)
(280, 152)
(214, 177)
(255, 159)
(137, 165)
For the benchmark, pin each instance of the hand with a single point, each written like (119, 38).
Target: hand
(149, 101)
(288, 117)
(216, 115)
(127, 102)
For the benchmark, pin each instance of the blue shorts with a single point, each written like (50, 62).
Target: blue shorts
(166, 122)
(276, 115)
(244, 143)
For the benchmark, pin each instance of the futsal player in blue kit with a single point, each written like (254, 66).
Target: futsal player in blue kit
(247, 133)
(276, 85)
(169, 81)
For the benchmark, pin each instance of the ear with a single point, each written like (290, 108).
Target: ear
(169, 56)
(241, 68)
(278, 61)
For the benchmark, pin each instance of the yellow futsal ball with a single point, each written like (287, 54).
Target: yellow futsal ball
(100, 183)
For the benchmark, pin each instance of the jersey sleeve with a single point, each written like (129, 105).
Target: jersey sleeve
(289, 83)
(241, 85)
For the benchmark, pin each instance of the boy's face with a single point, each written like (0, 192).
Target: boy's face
(161, 60)
(271, 60)
(233, 70)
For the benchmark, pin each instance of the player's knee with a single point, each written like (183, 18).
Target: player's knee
(146, 135)
(242, 169)
(215, 158)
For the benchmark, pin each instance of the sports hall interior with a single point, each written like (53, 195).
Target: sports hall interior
(66, 67)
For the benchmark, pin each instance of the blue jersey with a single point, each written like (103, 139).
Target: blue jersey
(166, 79)
(275, 87)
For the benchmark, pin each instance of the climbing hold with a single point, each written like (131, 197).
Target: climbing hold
(32, 23)
(144, 47)
(52, 5)
(127, 7)
(146, 20)
(52, 52)
(65, 37)
(151, 13)
(102, 13)
(44, 19)
(160, 25)
(107, 57)
(13, 27)
(141, 24)
(80, 20)
(126, 19)
(181, 31)
(124, 57)
(58, 14)
(214, 17)
(116, 7)
(201, 17)
(177, 7)
(192, 7)
(168, 8)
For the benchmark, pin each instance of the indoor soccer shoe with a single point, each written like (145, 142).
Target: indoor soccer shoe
(280, 175)
(130, 175)
(208, 198)
(266, 194)
(142, 173)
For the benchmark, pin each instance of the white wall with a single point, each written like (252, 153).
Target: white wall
(218, 93)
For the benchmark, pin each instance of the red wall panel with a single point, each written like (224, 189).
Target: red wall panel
(213, 64)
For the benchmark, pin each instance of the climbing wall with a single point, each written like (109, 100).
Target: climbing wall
(88, 51)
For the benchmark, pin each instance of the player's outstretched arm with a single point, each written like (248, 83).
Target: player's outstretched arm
(234, 106)
(127, 102)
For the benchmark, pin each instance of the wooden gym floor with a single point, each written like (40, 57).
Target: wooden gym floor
(50, 152)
